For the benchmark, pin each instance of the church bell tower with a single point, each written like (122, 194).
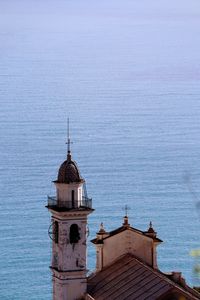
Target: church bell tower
(68, 230)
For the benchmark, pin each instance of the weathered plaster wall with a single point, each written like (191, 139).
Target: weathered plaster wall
(127, 241)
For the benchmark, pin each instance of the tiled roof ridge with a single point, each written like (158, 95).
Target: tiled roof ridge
(164, 277)
(188, 291)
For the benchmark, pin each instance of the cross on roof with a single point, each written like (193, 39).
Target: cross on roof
(69, 142)
(126, 208)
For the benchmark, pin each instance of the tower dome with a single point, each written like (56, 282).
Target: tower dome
(68, 171)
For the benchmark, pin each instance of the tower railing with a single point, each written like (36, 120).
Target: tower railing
(54, 202)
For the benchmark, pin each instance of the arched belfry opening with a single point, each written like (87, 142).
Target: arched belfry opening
(74, 235)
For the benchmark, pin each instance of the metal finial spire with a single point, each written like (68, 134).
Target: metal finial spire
(151, 232)
(126, 208)
(101, 226)
(68, 141)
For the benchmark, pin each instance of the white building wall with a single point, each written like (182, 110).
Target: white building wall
(64, 192)
(70, 256)
(69, 289)
(73, 255)
(70, 263)
(126, 242)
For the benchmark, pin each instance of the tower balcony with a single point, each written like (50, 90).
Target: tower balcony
(54, 203)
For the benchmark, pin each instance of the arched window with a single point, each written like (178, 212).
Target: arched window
(74, 234)
(72, 198)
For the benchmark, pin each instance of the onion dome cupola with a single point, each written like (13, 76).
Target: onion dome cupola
(68, 171)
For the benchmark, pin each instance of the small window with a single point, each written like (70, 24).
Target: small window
(56, 230)
(74, 234)
(72, 198)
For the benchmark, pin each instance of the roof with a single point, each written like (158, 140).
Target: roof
(130, 279)
(123, 228)
(68, 171)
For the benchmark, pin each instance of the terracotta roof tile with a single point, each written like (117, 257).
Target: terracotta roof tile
(130, 279)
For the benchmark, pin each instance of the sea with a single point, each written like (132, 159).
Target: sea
(127, 74)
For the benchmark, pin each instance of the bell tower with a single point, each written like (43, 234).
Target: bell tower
(68, 230)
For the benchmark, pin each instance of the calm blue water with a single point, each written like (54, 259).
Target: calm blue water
(128, 75)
